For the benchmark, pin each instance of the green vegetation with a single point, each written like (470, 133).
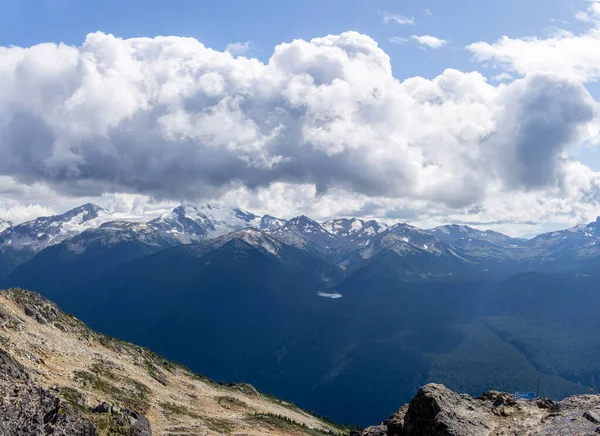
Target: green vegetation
(229, 402)
(73, 397)
(218, 424)
(105, 369)
(244, 388)
(345, 428)
(134, 397)
(177, 409)
(111, 425)
(285, 424)
(215, 424)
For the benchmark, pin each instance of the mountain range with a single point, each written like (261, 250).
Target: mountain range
(348, 317)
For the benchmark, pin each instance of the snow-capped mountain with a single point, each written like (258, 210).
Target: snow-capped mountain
(461, 234)
(225, 219)
(256, 238)
(116, 232)
(581, 241)
(302, 231)
(4, 225)
(405, 249)
(270, 223)
(354, 229)
(184, 224)
(404, 238)
(45, 231)
(347, 242)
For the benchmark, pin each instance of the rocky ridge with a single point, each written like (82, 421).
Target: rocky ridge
(59, 377)
(438, 411)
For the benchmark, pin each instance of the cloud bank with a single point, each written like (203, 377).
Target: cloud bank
(171, 119)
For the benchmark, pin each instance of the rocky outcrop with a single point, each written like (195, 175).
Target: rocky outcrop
(438, 411)
(28, 409)
(395, 423)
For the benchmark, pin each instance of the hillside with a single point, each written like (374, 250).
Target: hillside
(83, 382)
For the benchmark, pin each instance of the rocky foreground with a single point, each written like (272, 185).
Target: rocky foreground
(438, 411)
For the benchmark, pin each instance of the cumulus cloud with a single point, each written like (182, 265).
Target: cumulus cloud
(323, 122)
(564, 53)
(542, 117)
(428, 41)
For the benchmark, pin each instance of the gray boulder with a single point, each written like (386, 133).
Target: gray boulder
(438, 411)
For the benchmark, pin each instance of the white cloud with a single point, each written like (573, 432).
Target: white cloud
(576, 56)
(238, 48)
(429, 41)
(398, 40)
(427, 11)
(395, 18)
(591, 15)
(322, 128)
(503, 77)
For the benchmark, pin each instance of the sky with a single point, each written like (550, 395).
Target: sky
(430, 112)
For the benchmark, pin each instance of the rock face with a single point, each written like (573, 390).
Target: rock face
(438, 411)
(28, 409)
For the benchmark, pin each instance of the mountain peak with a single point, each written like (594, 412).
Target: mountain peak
(87, 212)
(354, 228)
(184, 224)
(303, 224)
(303, 220)
(90, 208)
(226, 219)
(270, 223)
(45, 231)
(185, 209)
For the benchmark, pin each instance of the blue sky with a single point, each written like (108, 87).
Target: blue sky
(139, 127)
(267, 23)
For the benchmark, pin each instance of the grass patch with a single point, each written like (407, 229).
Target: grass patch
(285, 424)
(177, 409)
(134, 398)
(244, 388)
(73, 397)
(341, 428)
(219, 424)
(229, 402)
(214, 424)
(105, 369)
